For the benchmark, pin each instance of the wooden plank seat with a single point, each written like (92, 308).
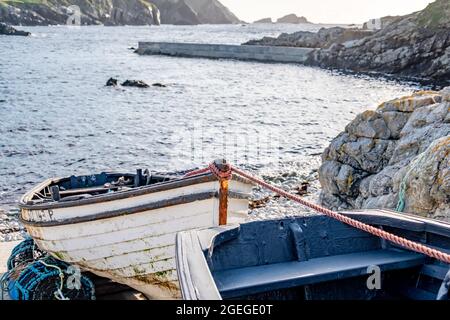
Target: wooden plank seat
(252, 280)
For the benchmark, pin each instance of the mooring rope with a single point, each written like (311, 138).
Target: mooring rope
(414, 246)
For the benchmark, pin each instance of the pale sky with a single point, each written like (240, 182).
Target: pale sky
(323, 11)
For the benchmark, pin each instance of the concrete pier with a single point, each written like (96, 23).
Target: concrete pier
(225, 51)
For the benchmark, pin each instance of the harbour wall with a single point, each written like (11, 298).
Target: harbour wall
(225, 51)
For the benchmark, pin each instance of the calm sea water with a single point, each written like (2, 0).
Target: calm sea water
(57, 118)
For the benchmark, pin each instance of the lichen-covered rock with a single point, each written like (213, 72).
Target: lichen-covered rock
(400, 151)
(427, 179)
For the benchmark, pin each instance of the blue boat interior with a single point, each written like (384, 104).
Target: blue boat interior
(84, 186)
(313, 258)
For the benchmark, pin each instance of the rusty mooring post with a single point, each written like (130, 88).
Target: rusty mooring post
(223, 202)
(223, 192)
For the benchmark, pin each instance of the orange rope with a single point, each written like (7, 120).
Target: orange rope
(414, 246)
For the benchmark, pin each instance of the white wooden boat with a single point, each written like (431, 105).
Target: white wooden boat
(123, 226)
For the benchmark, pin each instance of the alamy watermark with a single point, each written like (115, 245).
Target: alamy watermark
(200, 141)
(74, 19)
(74, 280)
(375, 24)
(374, 280)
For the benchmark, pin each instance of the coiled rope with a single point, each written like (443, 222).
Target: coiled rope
(58, 293)
(411, 245)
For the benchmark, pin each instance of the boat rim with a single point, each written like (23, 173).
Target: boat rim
(133, 210)
(158, 187)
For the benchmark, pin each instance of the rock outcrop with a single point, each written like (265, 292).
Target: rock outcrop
(135, 83)
(413, 46)
(324, 38)
(10, 31)
(416, 46)
(116, 12)
(112, 82)
(53, 12)
(397, 156)
(264, 20)
(292, 18)
(212, 12)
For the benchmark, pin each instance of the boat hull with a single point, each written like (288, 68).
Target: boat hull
(131, 240)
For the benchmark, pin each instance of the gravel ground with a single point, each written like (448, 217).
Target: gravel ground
(10, 227)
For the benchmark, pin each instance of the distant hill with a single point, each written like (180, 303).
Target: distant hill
(116, 12)
(212, 11)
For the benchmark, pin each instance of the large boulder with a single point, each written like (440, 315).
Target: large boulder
(396, 157)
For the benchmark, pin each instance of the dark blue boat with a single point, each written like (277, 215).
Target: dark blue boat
(314, 258)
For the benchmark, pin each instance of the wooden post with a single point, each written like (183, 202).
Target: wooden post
(223, 202)
(222, 165)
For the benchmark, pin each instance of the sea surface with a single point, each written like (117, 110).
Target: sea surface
(57, 117)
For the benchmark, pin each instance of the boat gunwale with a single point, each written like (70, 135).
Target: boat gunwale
(158, 187)
(133, 210)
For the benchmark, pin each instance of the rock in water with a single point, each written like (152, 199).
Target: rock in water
(264, 20)
(135, 83)
(111, 82)
(400, 151)
(160, 85)
(292, 18)
(10, 31)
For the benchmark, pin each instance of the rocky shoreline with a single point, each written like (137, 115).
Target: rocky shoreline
(115, 13)
(416, 46)
(10, 227)
(324, 38)
(394, 157)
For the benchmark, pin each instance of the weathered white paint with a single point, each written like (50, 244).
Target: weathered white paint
(121, 204)
(135, 249)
